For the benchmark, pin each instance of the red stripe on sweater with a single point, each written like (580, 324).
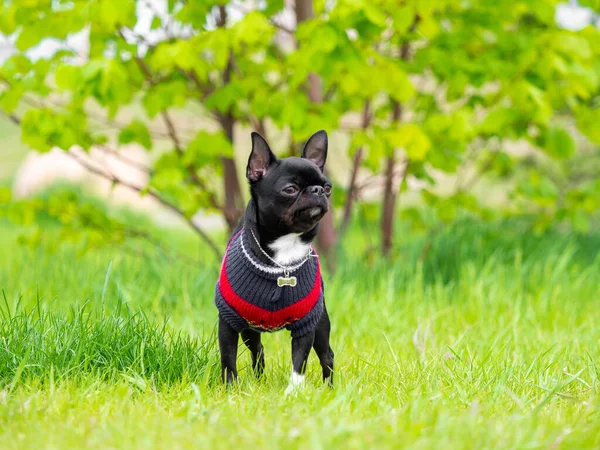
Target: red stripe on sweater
(264, 318)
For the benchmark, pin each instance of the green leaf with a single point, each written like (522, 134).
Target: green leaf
(588, 121)
(8, 23)
(273, 7)
(165, 95)
(9, 99)
(573, 45)
(498, 120)
(168, 177)
(156, 23)
(456, 86)
(194, 13)
(112, 14)
(224, 98)
(374, 14)
(252, 30)
(136, 131)
(429, 27)
(185, 55)
(412, 139)
(399, 85)
(404, 17)
(92, 69)
(316, 39)
(558, 143)
(44, 128)
(207, 148)
(429, 197)
(68, 77)
(214, 47)
(375, 153)
(29, 37)
(169, 55)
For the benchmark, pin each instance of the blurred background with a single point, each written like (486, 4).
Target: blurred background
(125, 124)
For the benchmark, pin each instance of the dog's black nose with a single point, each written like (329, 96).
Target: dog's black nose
(317, 190)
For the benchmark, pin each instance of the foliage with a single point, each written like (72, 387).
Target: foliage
(445, 87)
(66, 214)
(480, 74)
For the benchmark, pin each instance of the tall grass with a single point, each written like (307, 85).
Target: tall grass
(51, 347)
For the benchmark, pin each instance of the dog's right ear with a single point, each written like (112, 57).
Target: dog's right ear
(260, 159)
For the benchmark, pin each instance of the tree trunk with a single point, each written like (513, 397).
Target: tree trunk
(304, 10)
(389, 201)
(389, 194)
(351, 192)
(327, 237)
(366, 121)
(233, 207)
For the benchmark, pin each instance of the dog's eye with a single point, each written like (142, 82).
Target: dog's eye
(290, 190)
(327, 189)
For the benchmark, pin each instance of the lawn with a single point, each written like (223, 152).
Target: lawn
(491, 342)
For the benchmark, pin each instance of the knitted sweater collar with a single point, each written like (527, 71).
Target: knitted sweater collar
(242, 241)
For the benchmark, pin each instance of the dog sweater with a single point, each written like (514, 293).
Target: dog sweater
(247, 294)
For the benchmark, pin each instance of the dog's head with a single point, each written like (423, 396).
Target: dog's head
(291, 194)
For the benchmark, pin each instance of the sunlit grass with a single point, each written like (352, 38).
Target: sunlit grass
(491, 342)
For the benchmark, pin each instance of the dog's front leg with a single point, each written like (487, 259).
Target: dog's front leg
(228, 345)
(252, 340)
(323, 349)
(300, 351)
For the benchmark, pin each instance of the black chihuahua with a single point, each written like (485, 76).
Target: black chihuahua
(270, 276)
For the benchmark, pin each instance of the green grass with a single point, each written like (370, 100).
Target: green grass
(491, 342)
(106, 347)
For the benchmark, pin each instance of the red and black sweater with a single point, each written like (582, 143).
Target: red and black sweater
(247, 295)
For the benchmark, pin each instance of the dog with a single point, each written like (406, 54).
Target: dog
(270, 276)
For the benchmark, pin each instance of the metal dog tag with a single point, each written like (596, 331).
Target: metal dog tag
(286, 281)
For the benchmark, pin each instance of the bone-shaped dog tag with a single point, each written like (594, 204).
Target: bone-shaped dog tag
(286, 281)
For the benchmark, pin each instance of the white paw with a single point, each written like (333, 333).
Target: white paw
(296, 383)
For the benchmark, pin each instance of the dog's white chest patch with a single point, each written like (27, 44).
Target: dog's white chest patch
(289, 249)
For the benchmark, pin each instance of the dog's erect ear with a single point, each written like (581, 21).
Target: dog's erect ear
(260, 159)
(315, 149)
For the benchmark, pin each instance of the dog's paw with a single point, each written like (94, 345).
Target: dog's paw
(296, 383)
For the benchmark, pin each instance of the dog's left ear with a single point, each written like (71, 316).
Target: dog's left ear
(315, 149)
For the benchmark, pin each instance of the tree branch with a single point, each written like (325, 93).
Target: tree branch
(124, 159)
(104, 173)
(14, 119)
(140, 234)
(204, 90)
(114, 179)
(468, 185)
(281, 27)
